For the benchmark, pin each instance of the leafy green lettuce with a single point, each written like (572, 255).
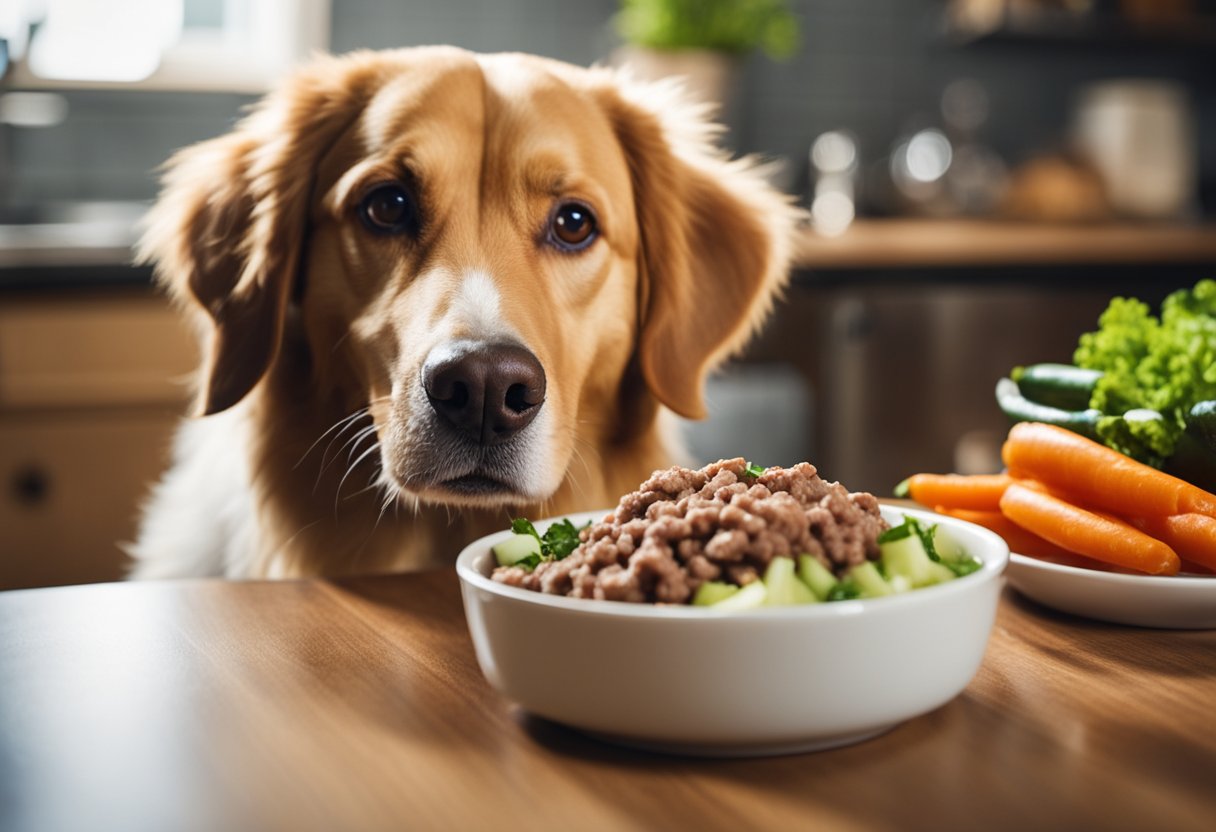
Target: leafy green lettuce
(1165, 364)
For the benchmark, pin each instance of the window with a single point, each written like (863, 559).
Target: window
(235, 45)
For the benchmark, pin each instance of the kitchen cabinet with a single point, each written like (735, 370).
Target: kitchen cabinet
(903, 372)
(91, 385)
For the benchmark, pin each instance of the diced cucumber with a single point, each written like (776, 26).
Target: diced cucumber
(711, 592)
(515, 548)
(784, 588)
(907, 557)
(748, 598)
(871, 584)
(816, 576)
(899, 583)
(947, 547)
(939, 573)
(953, 556)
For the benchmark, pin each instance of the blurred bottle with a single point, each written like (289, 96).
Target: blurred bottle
(944, 169)
(977, 176)
(1140, 134)
(835, 160)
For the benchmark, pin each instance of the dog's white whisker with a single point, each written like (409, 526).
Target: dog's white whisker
(337, 494)
(379, 517)
(342, 338)
(575, 483)
(375, 525)
(289, 542)
(346, 420)
(326, 459)
(354, 443)
(369, 487)
(354, 440)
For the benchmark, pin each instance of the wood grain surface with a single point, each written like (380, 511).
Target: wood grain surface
(358, 705)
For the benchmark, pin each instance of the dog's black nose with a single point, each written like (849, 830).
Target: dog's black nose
(487, 391)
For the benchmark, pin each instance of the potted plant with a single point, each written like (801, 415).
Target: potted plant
(703, 40)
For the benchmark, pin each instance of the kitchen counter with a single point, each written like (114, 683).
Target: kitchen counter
(926, 243)
(358, 704)
(68, 234)
(94, 240)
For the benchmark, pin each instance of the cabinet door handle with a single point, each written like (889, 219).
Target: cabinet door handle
(31, 485)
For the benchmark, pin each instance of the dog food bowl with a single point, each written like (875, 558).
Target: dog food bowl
(694, 680)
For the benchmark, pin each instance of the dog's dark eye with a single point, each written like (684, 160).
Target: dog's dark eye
(572, 227)
(389, 209)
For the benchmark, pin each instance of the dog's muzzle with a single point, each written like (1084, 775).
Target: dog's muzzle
(488, 392)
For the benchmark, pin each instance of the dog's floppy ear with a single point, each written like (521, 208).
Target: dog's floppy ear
(715, 241)
(227, 231)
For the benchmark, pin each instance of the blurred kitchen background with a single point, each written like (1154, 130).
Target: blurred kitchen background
(982, 176)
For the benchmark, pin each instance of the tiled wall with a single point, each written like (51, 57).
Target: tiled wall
(873, 66)
(111, 143)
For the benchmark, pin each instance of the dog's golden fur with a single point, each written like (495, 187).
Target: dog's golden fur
(308, 318)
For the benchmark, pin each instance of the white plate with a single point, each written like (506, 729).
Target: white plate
(1177, 602)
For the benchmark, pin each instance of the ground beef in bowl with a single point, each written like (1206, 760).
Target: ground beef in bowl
(720, 523)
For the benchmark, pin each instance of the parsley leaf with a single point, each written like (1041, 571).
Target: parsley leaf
(753, 470)
(522, 525)
(897, 532)
(926, 537)
(560, 539)
(846, 590)
(529, 563)
(963, 566)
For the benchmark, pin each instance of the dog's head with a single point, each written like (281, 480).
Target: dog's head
(499, 255)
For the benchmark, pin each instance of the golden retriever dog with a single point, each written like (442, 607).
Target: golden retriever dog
(436, 290)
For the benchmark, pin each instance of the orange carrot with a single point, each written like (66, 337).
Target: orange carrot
(1019, 540)
(1097, 536)
(979, 492)
(1192, 536)
(1097, 475)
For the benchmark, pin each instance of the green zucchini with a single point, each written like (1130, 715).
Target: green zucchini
(1193, 461)
(1021, 409)
(1057, 385)
(1194, 458)
(1201, 423)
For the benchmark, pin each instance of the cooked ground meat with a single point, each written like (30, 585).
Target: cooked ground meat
(684, 527)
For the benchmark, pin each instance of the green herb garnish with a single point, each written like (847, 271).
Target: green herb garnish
(753, 470)
(845, 590)
(897, 532)
(558, 541)
(965, 565)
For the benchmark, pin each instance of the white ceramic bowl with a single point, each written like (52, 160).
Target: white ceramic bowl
(768, 681)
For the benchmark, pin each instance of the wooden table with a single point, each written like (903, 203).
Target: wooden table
(358, 705)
